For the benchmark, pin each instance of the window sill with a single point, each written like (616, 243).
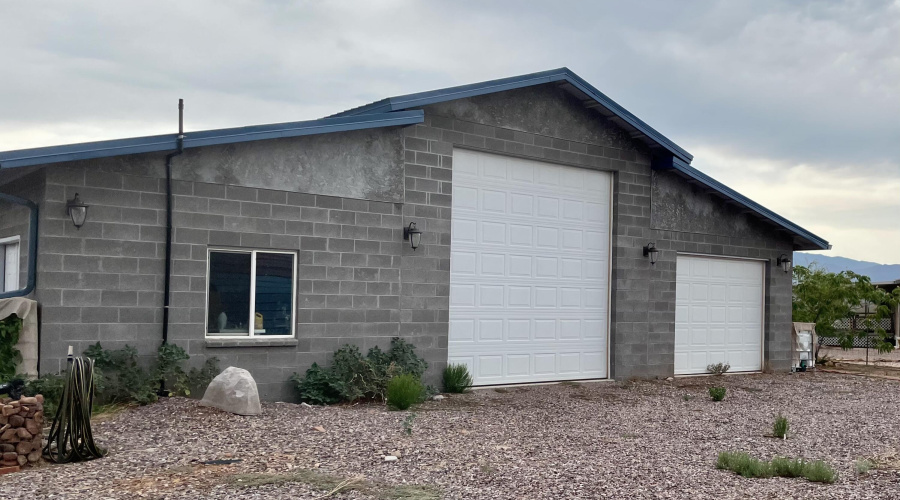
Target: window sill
(249, 342)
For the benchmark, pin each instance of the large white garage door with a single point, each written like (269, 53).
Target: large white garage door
(718, 314)
(529, 270)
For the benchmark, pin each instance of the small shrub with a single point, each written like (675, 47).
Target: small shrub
(819, 472)
(718, 368)
(10, 357)
(863, 466)
(404, 391)
(119, 378)
(747, 466)
(788, 467)
(457, 379)
(743, 464)
(408, 423)
(780, 427)
(717, 393)
(687, 397)
(51, 387)
(198, 380)
(352, 376)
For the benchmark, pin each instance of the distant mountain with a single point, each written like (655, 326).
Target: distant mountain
(877, 272)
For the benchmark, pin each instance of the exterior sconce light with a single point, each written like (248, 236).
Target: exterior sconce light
(77, 211)
(651, 251)
(412, 234)
(784, 262)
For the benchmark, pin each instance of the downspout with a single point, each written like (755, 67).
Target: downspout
(167, 276)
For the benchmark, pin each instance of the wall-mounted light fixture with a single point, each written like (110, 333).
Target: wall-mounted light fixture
(77, 211)
(651, 251)
(412, 234)
(784, 262)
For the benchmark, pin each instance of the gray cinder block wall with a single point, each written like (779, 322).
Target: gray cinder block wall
(340, 201)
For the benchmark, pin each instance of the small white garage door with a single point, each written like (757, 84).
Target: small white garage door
(529, 270)
(718, 314)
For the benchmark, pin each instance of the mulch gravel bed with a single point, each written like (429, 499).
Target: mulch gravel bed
(590, 440)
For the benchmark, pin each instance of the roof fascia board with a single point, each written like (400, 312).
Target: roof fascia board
(684, 168)
(119, 147)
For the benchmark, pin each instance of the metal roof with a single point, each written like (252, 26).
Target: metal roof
(804, 240)
(590, 96)
(169, 142)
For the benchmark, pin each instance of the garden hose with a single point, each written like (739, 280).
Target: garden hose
(70, 438)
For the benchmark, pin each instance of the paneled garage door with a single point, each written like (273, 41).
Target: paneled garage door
(529, 270)
(718, 314)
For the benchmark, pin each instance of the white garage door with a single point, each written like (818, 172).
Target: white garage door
(718, 314)
(529, 270)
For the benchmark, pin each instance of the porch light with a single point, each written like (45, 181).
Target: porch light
(77, 211)
(412, 234)
(651, 251)
(784, 262)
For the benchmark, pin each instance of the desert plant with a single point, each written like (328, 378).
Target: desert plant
(742, 463)
(457, 379)
(199, 379)
(747, 466)
(10, 328)
(718, 368)
(818, 471)
(863, 466)
(780, 427)
(404, 391)
(408, 423)
(119, 378)
(788, 467)
(51, 387)
(352, 376)
(717, 393)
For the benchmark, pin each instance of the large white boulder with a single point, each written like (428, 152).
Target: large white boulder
(233, 390)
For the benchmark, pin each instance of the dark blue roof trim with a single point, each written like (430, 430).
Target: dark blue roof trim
(562, 74)
(817, 243)
(149, 144)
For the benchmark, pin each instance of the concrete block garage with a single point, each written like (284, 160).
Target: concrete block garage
(562, 238)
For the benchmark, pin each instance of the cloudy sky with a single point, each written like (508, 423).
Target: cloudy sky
(794, 104)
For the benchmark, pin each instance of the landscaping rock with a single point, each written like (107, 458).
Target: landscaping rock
(16, 421)
(390, 458)
(437, 397)
(234, 391)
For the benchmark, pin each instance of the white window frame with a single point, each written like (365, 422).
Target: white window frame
(5, 242)
(251, 318)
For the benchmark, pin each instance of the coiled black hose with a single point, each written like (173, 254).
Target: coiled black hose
(70, 438)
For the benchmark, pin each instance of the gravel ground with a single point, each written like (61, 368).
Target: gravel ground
(591, 440)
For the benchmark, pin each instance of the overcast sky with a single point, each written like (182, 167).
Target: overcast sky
(794, 104)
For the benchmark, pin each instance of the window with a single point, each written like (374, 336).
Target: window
(9, 264)
(250, 293)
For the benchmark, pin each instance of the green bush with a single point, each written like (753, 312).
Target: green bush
(404, 391)
(51, 387)
(457, 379)
(120, 378)
(352, 376)
(747, 466)
(780, 427)
(10, 357)
(717, 393)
